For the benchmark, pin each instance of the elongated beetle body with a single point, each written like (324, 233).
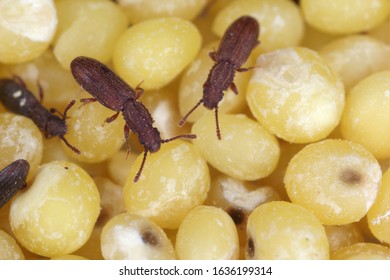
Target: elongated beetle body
(236, 45)
(12, 179)
(18, 99)
(114, 93)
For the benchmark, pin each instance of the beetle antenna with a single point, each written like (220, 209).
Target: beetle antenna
(141, 167)
(187, 136)
(217, 123)
(74, 149)
(181, 123)
(70, 105)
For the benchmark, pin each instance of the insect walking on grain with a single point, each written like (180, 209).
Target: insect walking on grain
(236, 45)
(17, 98)
(114, 93)
(12, 179)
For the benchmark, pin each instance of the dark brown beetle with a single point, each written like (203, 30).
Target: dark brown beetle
(12, 179)
(18, 99)
(236, 45)
(114, 93)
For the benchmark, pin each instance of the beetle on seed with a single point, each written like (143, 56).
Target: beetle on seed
(114, 93)
(236, 45)
(12, 179)
(17, 98)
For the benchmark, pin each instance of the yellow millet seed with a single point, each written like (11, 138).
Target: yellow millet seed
(174, 180)
(9, 249)
(88, 27)
(344, 16)
(155, 51)
(281, 230)
(356, 57)
(378, 217)
(20, 139)
(141, 10)
(56, 214)
(207, 233)
(132, 237)
(26, 29)
(87, 130)
(246, 151)
(362, 251)
(366, 118)
(295, 95)
(338, 180)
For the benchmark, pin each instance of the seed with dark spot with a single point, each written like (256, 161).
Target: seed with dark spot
(66, 167)
(350, 177)
(250, 248)
(237, 215)
(149, 238)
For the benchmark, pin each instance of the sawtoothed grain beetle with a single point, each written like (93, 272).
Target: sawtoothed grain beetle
(114, 93)
(17, 98)
(236, 45)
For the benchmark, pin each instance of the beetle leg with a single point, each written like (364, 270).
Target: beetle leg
(112, 118)
(139, 91)
(70, 105)
(217, 123)
(233, 87)
(246, 69)
(141, 167)
(40, 91)
(126, 132)
(213, 55)
(87, 100)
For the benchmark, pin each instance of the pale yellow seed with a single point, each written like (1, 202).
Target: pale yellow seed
(174, 180)
(156, 51)
(26, 29)
(20, 139)
(344, 16)
(91, 135)
(362, 251)
(281, 230)
(356, 57)
(88, 27)
(338, 180)
(295, 95)
(378, 216)
(56, 214)
(207, 233)
(132, 237)
(141, 10)
(366, 118)
(9, 249)
(246, 151)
